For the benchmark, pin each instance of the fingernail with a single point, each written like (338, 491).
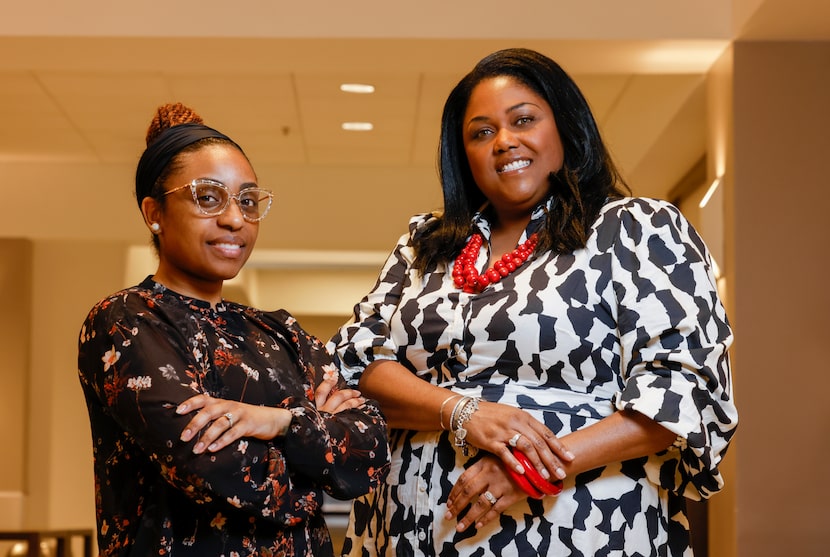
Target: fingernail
(181, 409)
(212, 447)
(447, 515)
(545, 473)
(520, 469)
(560, 473)
(199, 448)
(186, 435)
(570, 455)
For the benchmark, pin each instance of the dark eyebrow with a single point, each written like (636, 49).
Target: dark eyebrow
(509, 109)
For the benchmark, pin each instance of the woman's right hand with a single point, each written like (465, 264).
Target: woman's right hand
(485, 490)
(332, 400)
(494, 427)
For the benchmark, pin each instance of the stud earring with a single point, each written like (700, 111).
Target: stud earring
(155, 227)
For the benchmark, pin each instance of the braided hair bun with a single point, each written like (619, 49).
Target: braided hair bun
(169, 115)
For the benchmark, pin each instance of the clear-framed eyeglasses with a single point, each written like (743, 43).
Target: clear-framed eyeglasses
(213, 198)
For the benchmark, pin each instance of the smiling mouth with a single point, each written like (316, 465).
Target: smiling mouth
(515, 165)
(228, 246)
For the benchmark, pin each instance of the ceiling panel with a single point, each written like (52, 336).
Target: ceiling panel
(282, 146)
(603, 92)
(647, 104)
(261, 101)
(391, 109)
(432, 92)
(35, 128)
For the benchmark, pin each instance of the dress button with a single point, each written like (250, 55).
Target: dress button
(422, 535)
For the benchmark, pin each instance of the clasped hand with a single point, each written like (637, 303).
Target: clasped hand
(221, 422)
(486, 485)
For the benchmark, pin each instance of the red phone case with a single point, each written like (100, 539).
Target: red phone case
(534, 477)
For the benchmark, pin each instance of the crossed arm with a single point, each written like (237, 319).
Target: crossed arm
(260, 422)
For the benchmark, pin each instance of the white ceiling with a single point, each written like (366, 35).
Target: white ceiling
(79, 82)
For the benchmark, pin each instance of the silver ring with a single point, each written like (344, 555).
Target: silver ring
(514, 440)
(490, 497)
(229, 416)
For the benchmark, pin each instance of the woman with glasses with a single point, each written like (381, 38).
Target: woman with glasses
(216, 427)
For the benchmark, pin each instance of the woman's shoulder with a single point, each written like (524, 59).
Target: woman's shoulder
(644, 205)
(637, 218)
(639, 211)
(126, 301)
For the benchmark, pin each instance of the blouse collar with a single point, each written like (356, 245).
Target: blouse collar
(159, 289)
(483, 217)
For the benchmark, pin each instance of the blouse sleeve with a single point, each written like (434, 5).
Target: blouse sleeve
(367, 337)
(347, 452)
(675, 339)
(136, 366)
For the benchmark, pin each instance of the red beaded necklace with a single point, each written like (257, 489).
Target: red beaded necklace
(465, 275)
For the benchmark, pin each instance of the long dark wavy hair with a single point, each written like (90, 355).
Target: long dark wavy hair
(586, 180)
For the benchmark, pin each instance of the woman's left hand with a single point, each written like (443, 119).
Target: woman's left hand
(225, 421)
(496, 427)
(487, 488)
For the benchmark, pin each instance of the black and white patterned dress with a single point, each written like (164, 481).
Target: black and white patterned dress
(633, 320)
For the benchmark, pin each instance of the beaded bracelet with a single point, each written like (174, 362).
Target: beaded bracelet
(469, 408)
(441, 411)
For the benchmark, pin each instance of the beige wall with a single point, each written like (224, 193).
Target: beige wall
(720, 147)
(15, 324)
(68, 278)
(781, 298)
(64, 278)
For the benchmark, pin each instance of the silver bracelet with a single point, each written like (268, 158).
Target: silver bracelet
(441, 411)
(470, 407)
(455, 409)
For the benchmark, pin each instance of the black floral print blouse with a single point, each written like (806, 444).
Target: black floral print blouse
(144, 350)
(631, 321)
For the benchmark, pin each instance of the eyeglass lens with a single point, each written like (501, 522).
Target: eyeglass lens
(213, 199)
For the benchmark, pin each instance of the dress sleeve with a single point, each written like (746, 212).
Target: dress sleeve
(367, 336)
(347, 452)
(675, 339)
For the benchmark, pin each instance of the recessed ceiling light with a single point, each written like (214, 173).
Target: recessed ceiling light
(357, 88)
(357, 126)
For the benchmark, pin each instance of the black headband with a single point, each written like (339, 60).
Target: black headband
(161, 151)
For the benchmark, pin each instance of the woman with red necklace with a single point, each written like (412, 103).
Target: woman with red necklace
(550, 354)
